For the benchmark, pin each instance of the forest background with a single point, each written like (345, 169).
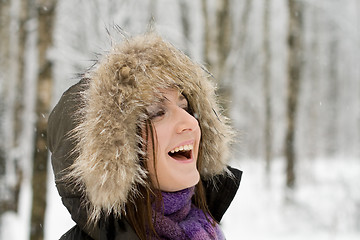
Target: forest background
(288, 75)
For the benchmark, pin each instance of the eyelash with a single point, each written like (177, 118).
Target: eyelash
(162, 112)
(156, 114)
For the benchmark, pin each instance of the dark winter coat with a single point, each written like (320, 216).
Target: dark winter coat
(92, 135)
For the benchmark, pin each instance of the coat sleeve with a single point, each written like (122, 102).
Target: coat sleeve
(221, 191)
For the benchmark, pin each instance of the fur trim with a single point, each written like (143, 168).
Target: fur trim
(121, 86)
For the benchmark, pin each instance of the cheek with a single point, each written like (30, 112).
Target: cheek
(150, 164)
(153, 150)
(157, 164)
(161, 141)
(162, 134)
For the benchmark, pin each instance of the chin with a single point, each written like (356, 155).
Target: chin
(191, 181)
(175, 186)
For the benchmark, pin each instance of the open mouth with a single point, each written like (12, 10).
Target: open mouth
(181, 155)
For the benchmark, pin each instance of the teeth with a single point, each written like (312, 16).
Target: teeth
(182, 148)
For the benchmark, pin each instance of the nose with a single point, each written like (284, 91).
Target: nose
(185, 121)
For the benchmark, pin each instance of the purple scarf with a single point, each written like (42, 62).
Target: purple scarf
(182, 220)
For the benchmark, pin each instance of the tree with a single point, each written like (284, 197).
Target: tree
(239, 42)
(294, 67)
(223, 35)
(46, 14)
(334, 88)
(224, 30)
(19, 101)
(185, 23)
(8, 193)
(4, 74)
(217, 46)
(267, 85)
(207, 34)
(19, 94)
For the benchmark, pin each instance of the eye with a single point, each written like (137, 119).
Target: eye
(186, 107)
(184, 104)
(156, 113)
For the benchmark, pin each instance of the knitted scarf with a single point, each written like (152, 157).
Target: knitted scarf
(180, 219)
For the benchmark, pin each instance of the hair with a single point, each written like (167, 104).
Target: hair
(139, 211)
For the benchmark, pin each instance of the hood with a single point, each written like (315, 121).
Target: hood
(94, 130)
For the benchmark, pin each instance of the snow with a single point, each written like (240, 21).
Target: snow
(57, 218)
(15, 226)
(324, 205)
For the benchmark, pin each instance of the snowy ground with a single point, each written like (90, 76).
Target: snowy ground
(326, 205)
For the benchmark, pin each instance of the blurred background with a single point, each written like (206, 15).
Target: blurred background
(288, 74)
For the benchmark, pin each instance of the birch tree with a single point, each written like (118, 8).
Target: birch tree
(24, 15)
(4, 67)
(19, 101)
(9, 186)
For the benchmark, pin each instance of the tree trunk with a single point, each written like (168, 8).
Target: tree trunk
(4, 62)
(267, 86)
(19, 96)
(239, 43)
(4, 89)
(244, 23)
(332, 98)
(207, 35)
(223, 46)
(314, 81)
(223, 35)
(214, 42)
(185, 24)
(293, 77)
(19, 101)
(46, 14)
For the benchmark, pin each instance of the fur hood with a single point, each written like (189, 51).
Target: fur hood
(106, 142)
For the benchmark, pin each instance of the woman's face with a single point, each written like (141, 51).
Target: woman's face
(177, 137)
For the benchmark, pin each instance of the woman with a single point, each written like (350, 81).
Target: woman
(139, 147)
